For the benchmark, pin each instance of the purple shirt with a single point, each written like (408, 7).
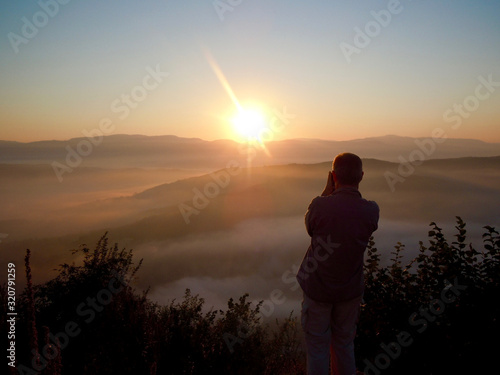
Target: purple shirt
(340, 226)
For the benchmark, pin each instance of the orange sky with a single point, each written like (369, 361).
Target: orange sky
(344, 70)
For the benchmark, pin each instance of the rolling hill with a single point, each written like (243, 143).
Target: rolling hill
(240, 229)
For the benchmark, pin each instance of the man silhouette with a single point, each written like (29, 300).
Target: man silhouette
(331, 276)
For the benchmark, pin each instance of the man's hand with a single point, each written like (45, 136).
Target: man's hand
(330, 185)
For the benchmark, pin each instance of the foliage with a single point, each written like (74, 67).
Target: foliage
(448, 333)
(113, 329)
(121, 331)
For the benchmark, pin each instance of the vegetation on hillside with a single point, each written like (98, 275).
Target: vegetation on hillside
(436, 315)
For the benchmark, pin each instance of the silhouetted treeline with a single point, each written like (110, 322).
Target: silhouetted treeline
(438, 314)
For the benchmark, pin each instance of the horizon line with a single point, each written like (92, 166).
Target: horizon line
(232, 140)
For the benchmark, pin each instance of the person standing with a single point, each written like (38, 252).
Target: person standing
(340, 223)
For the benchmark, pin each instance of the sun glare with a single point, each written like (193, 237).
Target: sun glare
(249, 124)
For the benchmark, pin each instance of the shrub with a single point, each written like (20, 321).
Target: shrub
(444, 302)
(446, 336)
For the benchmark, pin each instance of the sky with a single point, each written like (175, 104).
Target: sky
(335, 70)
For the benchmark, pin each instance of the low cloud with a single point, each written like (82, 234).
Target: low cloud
(252, 258)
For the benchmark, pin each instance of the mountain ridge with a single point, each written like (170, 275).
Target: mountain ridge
(170, 151)
(176, 137)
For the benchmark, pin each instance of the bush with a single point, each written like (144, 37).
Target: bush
(116, 330)
(436, 315)
(444, 302)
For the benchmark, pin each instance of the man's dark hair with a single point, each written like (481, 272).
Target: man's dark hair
(348, 168)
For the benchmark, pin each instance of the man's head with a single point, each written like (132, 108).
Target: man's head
(348, 169)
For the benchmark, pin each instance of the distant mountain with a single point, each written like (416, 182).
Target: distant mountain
(138, 151)
(388, 148)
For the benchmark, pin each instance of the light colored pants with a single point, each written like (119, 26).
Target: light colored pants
(330, 329)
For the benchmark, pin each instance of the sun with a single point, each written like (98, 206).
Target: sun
(250, 124)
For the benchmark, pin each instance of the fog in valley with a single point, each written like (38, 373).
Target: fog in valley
(222, 226)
